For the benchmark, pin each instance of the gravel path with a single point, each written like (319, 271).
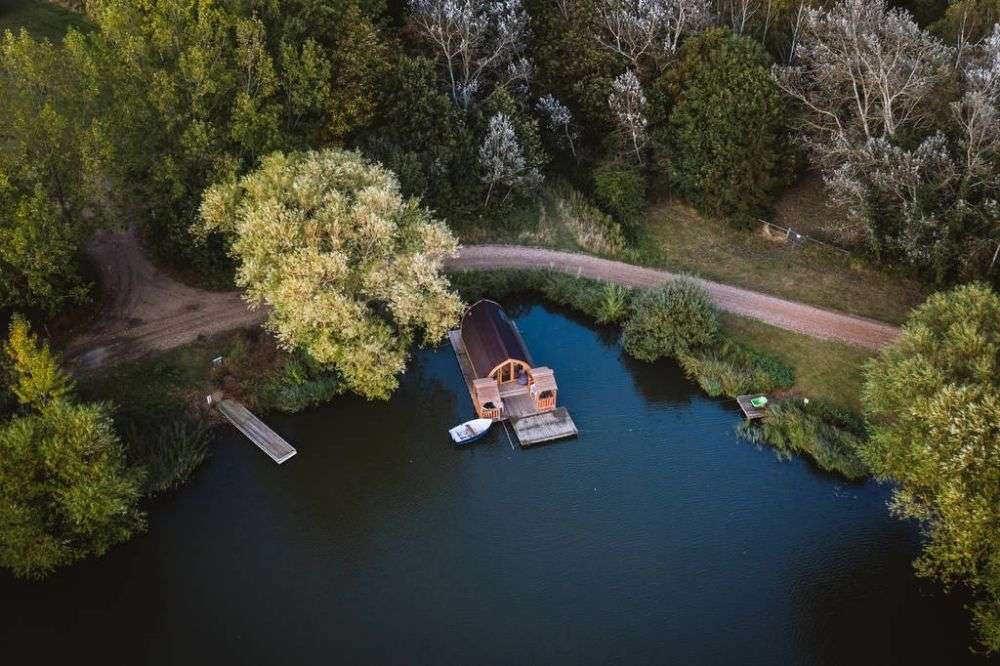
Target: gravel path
(149, 311)
(779, 312)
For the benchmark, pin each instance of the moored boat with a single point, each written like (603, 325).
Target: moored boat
(470, 431)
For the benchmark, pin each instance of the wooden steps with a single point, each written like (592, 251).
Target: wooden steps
(256, 430)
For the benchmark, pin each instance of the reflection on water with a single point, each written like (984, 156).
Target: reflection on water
(657, 536)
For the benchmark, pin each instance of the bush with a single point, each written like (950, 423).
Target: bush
(828, 436)
(733, 369)
(678, 318)
(299, 384)
(265, 377)
(592, 229)
(620, 190)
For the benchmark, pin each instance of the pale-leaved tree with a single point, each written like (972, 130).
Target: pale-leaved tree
(350, 270)
(628, 105)
(649, 30)
(502, 160)
(478, 41)
(921, 188)
(558, 117)
(862, 71)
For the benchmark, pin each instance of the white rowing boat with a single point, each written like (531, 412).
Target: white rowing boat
(470, 431)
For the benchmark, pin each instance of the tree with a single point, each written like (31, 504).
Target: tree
(674, 319)
(477, 41)
(650, 30)
(502, 161)
(53, 149)
(558, 117)
(38, 379)
(726, 130)
(65, 490)
(923, 195)
(350, 270)
(628, 105)
(862, 71)
(426, 140)
(571, 64)
(932, 402)
(203, 90)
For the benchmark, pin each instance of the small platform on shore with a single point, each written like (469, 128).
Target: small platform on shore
(256, 430)
(530, 425)
(749, 410)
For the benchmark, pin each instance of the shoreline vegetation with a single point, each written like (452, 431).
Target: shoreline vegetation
(739, 361)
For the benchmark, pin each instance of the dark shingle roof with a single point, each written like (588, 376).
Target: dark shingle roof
(491, 338)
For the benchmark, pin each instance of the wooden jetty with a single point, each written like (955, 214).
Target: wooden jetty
(749, 410)
(544, 427)
(502, 380)
(256, 430)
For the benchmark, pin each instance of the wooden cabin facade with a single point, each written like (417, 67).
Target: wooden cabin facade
(505, 380)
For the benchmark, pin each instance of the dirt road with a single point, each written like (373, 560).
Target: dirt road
(149, 311)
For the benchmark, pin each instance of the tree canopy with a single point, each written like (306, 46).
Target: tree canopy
(726, 129)
(349, 268)
(65, 490)
(932, 401)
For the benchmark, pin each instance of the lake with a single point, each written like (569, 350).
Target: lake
(657, 536)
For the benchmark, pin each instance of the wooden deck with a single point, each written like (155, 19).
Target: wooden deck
(544, 427)
(532, 427)
(256, 431)
(749, 410)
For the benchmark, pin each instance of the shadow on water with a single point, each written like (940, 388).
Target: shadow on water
(656, 536)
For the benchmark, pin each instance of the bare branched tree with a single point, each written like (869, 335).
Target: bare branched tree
(639, 30)
(862, 71)
(475, 39)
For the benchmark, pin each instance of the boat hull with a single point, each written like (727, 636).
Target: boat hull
(470, 431)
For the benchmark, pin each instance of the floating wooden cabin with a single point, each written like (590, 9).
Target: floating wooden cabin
(502, 378)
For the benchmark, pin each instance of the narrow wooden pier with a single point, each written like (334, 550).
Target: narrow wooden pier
(530, 425)
(256, 430)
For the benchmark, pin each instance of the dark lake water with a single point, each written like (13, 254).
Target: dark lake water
(656, 537)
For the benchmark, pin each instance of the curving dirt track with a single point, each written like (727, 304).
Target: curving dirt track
(148, 311)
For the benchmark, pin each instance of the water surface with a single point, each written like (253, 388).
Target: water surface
(656, 537)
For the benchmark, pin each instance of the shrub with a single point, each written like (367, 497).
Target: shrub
(620, 189)
(299, 384)
(592, 229)
(828, 436)
(733, 369)
(675, 319)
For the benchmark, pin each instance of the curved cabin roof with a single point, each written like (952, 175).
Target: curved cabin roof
(491, 338)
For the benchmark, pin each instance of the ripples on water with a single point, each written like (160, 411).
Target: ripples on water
(656, 537)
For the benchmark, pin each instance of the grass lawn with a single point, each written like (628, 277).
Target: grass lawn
(680, 239)
(824, 370)
(41, 18)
